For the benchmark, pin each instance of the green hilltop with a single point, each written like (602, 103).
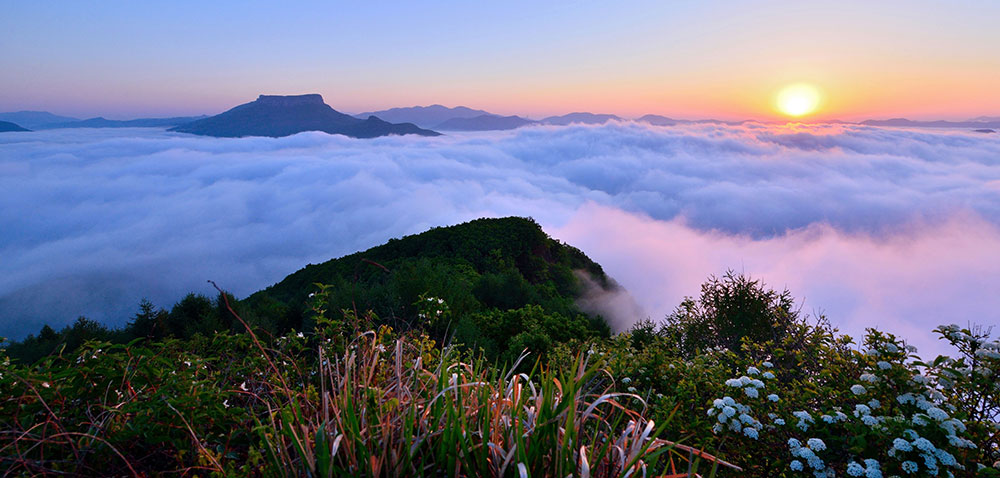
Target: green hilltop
(507, 286)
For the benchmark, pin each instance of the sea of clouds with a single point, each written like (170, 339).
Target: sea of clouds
(893, 228)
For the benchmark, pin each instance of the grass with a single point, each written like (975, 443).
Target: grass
(377, 405)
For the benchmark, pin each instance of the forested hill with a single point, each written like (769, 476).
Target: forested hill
(501, 285)
(476, 267)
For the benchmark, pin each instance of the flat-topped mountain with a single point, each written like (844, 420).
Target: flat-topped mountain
(8, 126)
(424, 116)
(34, 119)
(485, 122)
(277, 116)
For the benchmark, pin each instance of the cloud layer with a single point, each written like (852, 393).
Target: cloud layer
(874, 226)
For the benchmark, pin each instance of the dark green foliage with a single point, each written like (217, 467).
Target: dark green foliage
(728, 311)
(481, 268)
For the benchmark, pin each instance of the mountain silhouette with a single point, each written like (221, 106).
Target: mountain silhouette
(101, 122)
(8, 126)
(34, 119)
(580, 117)
(485, 122)
(658, 120)
(277, 116)
(424, 116)
(903, 122)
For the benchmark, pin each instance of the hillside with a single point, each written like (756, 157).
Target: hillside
(8, 126)
(505, 284)
(477, 267)
(277, 116)
(441, 391)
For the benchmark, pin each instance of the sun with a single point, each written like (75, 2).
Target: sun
(798, 99)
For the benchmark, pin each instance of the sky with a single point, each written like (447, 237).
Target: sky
(691, 59)
(872, 227)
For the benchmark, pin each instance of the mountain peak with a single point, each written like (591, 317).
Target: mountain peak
(291, 100)
(277, 116)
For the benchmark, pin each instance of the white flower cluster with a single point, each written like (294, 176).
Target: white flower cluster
(912, 450)
(870, 469)
(808, 453)
(727, 409)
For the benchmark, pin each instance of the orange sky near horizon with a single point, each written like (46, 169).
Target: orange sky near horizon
(922, 59)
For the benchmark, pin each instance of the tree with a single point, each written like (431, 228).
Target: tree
(731, 309)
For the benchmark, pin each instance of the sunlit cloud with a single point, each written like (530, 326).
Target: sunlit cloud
(849, 218)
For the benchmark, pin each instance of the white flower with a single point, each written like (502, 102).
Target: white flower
(867, 377)
(937, 414)
(226, 403)
(772, 397)
(753, 371)
(923, 444)
(45, 384)
(768, 364)
(883, 365)
(858, 389)
(901, 445)
(815, 444)
(768, 375)
(299, 335)
(750, 392)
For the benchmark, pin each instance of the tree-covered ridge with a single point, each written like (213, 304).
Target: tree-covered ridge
(481, 269)
(505, 282)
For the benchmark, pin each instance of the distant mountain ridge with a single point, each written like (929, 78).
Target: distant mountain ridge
(34, 119)
(487, 122)
(424, 116)
(276, 116)
(903, 122)
(581, 117)
(6, 126)
(101, 122)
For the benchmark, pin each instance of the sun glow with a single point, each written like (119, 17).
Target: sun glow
(799, 99)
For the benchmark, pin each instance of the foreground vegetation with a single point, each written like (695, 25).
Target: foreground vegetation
(462, 381)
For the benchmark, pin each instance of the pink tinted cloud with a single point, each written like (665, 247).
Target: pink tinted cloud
(907, 282)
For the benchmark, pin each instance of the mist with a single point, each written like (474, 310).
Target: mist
(888, 227)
